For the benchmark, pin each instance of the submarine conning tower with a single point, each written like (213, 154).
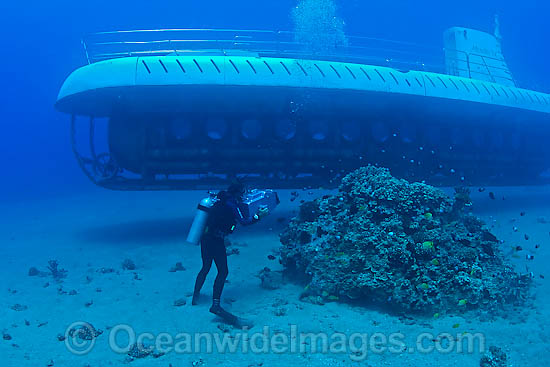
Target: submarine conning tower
(476, 55)
(189, 109)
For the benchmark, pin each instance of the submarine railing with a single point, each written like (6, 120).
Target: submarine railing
(398, 54)
(116, 44)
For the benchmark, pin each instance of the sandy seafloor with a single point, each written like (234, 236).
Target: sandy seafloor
(101, 228)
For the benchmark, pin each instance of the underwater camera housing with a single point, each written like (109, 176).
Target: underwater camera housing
(255, 200)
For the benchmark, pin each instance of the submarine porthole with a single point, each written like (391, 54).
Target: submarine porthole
(478, 138)
(251, 129)
(380, 132)
(180, 128)
(216, 128)
(458, 137)
(318, 129)
(407, 133)
(285, 129)
(351, 131)
(497, 139)
(434, 135)
(515, 141)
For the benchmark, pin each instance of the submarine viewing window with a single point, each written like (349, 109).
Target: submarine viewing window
(351, 131)
(496, 139)
(380, 132)
(407, 133)
(251, 129)
(180, 128)
(216, 128)
(458, 136)
(478, 138)
(318, 129)
(434, 135)
(285, 129)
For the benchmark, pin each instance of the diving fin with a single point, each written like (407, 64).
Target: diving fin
(230, 319)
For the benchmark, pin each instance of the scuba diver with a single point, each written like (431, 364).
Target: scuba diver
(223, 216)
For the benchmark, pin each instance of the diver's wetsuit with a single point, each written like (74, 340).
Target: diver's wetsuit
(222, 219)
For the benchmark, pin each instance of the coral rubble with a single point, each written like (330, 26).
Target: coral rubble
(57, 273)
(128, 264)
(494, 357)
(85, 332)
(406, 245)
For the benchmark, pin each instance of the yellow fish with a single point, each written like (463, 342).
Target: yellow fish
(428, 215)
(462, 302)
(456, 326)
(436, 315)
(435, 262)
(424, 286)
(428, 245)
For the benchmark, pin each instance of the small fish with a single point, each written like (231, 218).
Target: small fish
(435, 262)
(428, 216)
(492, 195)
(456, 326)
(530, 257)
(462, 302)
(481, 189)
(526, 236)
(271, 257)
(428, 245)
(541, 276)
(537, 246)
(522, 214)
(518, 248)
(424, 286)
(436, 315)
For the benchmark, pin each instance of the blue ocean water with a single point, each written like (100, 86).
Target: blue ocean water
(52, 211)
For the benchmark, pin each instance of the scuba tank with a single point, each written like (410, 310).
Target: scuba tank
(197, 228)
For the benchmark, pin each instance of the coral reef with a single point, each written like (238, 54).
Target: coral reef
(405, 245)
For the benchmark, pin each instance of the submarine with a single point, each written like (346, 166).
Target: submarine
(191, 108)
